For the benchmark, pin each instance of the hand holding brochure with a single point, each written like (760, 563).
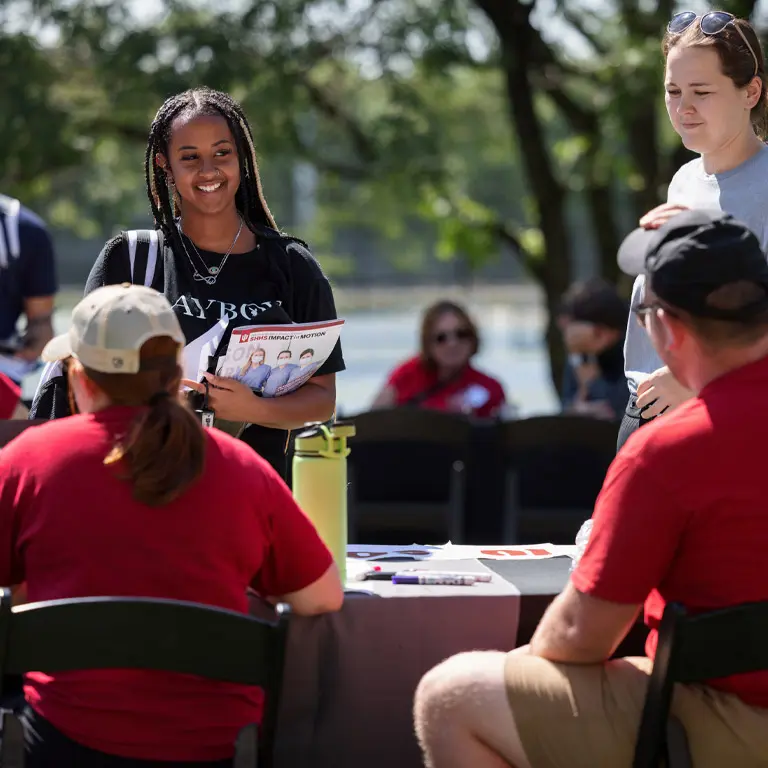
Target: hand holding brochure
(274, 360)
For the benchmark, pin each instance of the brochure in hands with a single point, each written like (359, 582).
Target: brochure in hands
(274, 360)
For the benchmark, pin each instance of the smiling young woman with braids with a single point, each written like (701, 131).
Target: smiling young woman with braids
(223, 262)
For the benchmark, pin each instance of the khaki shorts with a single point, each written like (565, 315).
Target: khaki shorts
(574, 716)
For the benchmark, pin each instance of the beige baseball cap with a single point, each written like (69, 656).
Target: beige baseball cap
(110, 325)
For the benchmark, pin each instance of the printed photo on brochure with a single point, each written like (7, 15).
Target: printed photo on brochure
(274, 360)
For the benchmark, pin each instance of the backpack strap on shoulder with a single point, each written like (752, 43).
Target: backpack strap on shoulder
(144, 251)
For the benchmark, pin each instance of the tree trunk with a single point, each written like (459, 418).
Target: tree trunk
(554, 270)
(642, 138)
(600, 198)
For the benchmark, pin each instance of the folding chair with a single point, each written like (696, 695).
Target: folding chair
(139, 633)
(555, 467)
(10, 428)
(693, 649)
(407, 477)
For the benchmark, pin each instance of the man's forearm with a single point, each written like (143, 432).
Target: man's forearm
(563, 646)
(579, 629)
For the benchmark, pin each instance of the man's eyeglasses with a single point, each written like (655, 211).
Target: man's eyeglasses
(642, 311)
(646, 310)
(462, 334)
(712, 23)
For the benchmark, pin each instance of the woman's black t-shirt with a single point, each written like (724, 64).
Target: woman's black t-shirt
(279, 282)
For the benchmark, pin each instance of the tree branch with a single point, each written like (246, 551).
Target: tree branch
(507, 236)
(323, 162)
(349, 37)
(322, 101)
(107, 126)
(597, 45)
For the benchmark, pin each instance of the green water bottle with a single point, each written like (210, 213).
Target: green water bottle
(320, 483)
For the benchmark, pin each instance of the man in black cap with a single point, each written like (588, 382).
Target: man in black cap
(682, 517)
(661, 391)
(696, 268)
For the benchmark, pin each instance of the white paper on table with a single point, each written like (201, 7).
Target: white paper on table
(356, 568)
(503, 552)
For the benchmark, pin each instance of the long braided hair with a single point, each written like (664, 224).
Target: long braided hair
(249, 198)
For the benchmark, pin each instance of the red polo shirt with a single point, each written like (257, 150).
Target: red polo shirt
(683, 513)
(10, 394)
(69, 527)
(472, 392)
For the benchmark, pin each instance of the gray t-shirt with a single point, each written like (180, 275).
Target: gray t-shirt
(742, 192)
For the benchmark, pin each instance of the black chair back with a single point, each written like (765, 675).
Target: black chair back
(555, 467)
(10, 428)
(406, 476)
(694, 649)
(142, 633)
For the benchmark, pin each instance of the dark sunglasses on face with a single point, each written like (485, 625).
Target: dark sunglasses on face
(462, 334)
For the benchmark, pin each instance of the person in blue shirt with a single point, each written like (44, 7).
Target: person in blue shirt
(300, 373)
(255, 372)
(279, 374)
(306, 367)
(28, 285)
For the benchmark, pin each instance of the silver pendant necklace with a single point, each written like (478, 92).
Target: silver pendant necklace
(214, 271)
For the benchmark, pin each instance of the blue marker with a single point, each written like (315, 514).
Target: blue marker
(435, 579)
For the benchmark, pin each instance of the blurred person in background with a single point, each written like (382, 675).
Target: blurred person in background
(11, 406)
(593, 320)
(133, 497)
(441, 376)
(28, 284)
(717, 102)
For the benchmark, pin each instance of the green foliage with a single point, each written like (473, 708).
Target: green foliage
(380, 133)
(402, 105)
(410, 110)
(35, 132)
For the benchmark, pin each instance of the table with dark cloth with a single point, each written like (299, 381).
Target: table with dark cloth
(350, 677)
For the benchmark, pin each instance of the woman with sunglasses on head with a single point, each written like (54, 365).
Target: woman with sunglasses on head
(717, 102)
(442, 377)
(133, 497)
(222, 264)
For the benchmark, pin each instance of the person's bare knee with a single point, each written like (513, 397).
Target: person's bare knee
(466, 695)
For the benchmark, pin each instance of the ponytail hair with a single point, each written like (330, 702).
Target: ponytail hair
(164, 450)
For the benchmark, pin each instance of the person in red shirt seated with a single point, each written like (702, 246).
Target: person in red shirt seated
(682, 516)
(441, 377)
(132, 497)
(10, 399)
